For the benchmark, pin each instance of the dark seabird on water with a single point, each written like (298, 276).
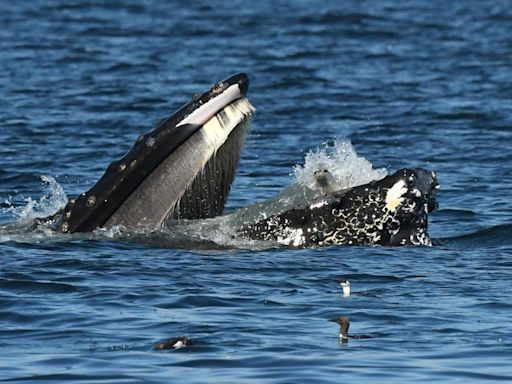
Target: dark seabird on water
(343, 335)
(174, 343)
(344, 323)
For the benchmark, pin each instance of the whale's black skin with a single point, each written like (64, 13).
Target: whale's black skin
(391, 211)
(110, 201)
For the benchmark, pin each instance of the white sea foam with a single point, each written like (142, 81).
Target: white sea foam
(342, 162)
(54, 199)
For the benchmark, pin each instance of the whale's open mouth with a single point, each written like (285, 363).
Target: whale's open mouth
(182, 169)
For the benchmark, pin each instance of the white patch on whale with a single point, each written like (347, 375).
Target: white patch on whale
(291, 236)
(394, 195)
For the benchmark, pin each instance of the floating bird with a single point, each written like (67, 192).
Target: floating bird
(344, 323)
(345, 284)
(174, 343)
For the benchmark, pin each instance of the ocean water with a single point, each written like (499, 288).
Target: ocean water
(416, 83)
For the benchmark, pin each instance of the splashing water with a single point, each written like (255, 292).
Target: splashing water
(54, 199)
(342, 162)
(340, 159)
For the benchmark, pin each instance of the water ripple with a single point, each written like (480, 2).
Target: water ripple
(412, 84)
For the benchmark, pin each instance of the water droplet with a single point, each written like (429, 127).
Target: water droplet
(150, 141)
(122, 167)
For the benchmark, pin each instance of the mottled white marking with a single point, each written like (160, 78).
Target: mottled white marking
(291, 236)
(150, 141)
(394, 196)
(91, 201)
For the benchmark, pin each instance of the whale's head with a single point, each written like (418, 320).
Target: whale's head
(181, 169)
(390, 211)
(408, 196)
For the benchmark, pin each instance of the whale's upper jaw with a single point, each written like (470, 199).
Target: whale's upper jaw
(181, 133)
(201, 108)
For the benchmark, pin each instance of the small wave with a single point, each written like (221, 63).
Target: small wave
(36, 286)
(496, 236)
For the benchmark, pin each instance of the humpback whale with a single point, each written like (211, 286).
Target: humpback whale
(183, 169)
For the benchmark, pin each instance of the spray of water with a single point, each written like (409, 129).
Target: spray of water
(342, 162)
(53, 199)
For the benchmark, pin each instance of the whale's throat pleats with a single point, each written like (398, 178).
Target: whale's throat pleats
(207, 194)
(193, 181)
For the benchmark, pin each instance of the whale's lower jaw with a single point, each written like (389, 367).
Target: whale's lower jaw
(391, 211)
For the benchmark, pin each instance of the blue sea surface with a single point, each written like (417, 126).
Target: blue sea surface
(410, 83)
